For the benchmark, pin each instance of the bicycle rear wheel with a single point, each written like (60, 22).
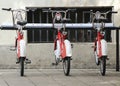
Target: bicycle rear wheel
(22, 59)
(103, 65)
(66, 65)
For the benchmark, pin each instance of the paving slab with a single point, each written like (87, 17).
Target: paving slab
(56, 77)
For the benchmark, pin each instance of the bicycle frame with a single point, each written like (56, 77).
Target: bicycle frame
(100, 48)
(101, 45)
(19, 20)
(65, 50)
(21, 47)
(62, 45)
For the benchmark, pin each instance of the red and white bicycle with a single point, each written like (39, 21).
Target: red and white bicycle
(62, 46)
(100, 46)
(19, 20)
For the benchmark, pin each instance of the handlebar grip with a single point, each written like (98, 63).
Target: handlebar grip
(7, 9)
(114, 12)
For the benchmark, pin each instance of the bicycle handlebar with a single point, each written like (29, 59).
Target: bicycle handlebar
(7, 9)
(59, 11)
(58, 17)
(100, 15)
(105, 13)
(50, 10)
(10, 9)
(114, 12)
(18, 16)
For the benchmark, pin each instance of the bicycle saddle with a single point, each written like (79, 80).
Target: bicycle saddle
(65, 20)
(22, 23)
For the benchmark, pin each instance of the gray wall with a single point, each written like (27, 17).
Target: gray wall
(42, 56)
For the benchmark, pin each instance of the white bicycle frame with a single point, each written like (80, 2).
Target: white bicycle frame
(68, 49)
(19, 15)
(103, 47)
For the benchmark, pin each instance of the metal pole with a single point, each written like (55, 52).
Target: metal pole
(117, 50)
(33, 21)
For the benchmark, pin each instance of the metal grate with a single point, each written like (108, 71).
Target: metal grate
(81, 15)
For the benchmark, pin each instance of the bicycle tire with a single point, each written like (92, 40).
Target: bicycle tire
(66, 65)
(22, 66)
(96, 59)
(103, 65)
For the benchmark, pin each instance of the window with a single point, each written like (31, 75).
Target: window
(81, 15)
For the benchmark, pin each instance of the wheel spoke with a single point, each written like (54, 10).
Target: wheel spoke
(66, 65)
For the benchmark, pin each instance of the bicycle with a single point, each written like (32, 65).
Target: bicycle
(19, 21)
(100, 45)
(62, 46)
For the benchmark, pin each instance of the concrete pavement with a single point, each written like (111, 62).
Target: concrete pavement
(55, 77)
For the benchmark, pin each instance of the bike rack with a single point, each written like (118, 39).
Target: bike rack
(70, 26)
(50, 25)
(117, 49)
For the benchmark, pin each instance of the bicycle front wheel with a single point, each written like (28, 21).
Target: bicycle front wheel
(66, 65)
(22, 66)
(103, 65)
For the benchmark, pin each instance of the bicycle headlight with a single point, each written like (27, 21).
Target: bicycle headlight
(97, 15)
(58, 16)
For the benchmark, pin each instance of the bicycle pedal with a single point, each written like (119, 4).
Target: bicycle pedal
(28, 61)
(107, 58)
(54, 64)
(17, 62)
(13, 49)
(60, 60)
